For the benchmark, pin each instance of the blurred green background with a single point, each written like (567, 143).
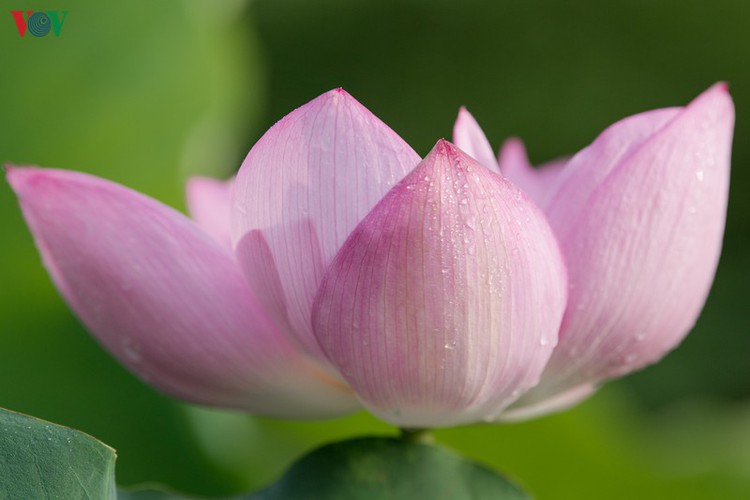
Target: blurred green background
(147, 93)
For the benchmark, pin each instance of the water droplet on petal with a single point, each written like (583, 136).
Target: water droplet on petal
(130, 351)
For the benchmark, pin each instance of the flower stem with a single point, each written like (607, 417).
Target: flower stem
(416, 435)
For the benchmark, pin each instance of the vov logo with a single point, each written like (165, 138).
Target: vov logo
(39, 23)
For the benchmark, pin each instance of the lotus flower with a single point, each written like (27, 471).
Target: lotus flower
(339, 270)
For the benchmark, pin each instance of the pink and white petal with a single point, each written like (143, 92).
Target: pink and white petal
(512, 159)
(262, 273)
(306, 184)
(468, 136)
(526, 409)
(642, 236)
(535, 182)
(167, 300)
(443, 306)
(588, 169)
(209, 205)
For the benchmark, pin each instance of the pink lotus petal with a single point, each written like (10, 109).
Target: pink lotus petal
(305, 185)
(261, 272)
(166, 299)
(639, 215)
(535, 182)
(469, 137)
(443, 305)
(209, 206)
(557, 403)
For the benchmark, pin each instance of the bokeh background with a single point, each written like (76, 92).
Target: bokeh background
(148, 93)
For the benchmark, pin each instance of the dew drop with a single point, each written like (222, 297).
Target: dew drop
(699, 175)
(130, 351)
(450, 345)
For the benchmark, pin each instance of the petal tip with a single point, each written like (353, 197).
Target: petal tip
(336, 96)
(194, 184)
(716, 95)
(20, 177)
(446, 155)
(463, 113)
(11, 174)
(463, 120)
(721, 87)
(512, 143)
(445, 149)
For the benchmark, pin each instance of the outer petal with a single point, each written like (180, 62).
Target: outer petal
(525, 410)
(166, 299)
(469, 137)
(640, 217)
(444, 304)
(209, 205)
(305, 185)
(536, 182)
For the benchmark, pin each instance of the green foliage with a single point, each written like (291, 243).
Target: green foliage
(383, 468)
(43, 460)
